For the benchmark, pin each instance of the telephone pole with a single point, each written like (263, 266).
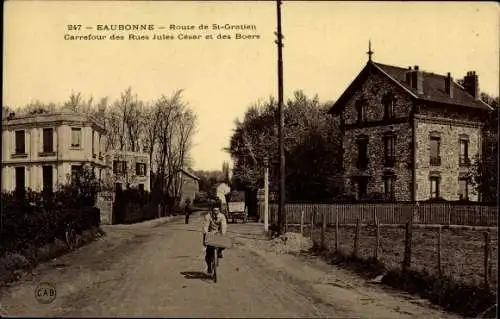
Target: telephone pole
(281, 195)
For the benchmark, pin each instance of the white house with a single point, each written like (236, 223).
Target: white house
(40, 151)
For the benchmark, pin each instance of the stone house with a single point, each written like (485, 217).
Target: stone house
(127, 168)
(410, 135)
(41, 150)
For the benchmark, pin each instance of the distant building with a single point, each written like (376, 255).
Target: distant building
(40, 151)
(188, 184)
(410, 134)
(127, 169)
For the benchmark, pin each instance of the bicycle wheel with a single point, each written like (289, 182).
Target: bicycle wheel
(214, 265)
(71, 238)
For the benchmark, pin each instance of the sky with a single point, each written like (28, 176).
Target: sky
(325, 45)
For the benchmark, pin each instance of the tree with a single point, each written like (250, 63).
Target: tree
(82, 185)
(483, 173)
(208, 179)
(225, 172)
(172, 136)
(151, 126)
(312, 148)
(492, 101)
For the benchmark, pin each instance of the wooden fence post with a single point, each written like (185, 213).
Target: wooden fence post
(302, 222)
(407, 253)
(448, 215)
(356, 238)
(312, 223)
(440, 269)
(377, 238)
(323, 230)
(337, 237)
(487, 244)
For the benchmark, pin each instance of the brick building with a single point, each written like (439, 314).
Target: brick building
(410, 134)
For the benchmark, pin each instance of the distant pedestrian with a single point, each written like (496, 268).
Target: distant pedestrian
(187, 209)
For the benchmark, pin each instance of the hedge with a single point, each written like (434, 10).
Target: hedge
(34, 219)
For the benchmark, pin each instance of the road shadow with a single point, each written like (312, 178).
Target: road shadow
(251, 237)
(187, 229)
(195, 275)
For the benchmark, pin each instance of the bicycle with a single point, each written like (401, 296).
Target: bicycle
(217, 240)
(215, 264)
(71, 239)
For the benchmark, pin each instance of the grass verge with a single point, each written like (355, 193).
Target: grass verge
(13, 264)
(464, 299)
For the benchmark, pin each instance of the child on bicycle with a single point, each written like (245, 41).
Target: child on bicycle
(215, 221)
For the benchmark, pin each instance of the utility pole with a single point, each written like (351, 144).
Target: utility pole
(266, 194)
(281, 204)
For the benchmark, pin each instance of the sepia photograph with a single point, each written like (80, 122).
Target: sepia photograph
(250, 159)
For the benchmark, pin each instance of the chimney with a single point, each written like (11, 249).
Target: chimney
(417, 80)
(448, 85)
(408, 76)
(471, 84)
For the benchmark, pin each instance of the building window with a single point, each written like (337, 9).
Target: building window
(20, 179)
(76, 137)
(434, 186)
(435, 158)
(119, 167)
(463, 186)
(140, 169)
(48, 178)
(93, 144)
(75, 172)
(20, 142)
(389, 186)
(389, 153)
(141, 187)
(99, 144)
(362, 161)
(361, 110)
(362, 182)
(48, 140)
(464, 152)
(388, 102)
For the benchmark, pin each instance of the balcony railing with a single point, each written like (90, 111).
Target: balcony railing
(435, 161)
(46, 153)
(19, 155)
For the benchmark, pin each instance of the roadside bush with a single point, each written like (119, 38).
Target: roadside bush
(464, 299)
(35, 219)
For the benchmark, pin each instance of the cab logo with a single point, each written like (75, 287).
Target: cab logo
(45, 293)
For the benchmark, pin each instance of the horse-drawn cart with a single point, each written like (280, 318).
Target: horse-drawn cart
(236, 206)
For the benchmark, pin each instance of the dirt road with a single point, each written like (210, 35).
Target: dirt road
(157, 270)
